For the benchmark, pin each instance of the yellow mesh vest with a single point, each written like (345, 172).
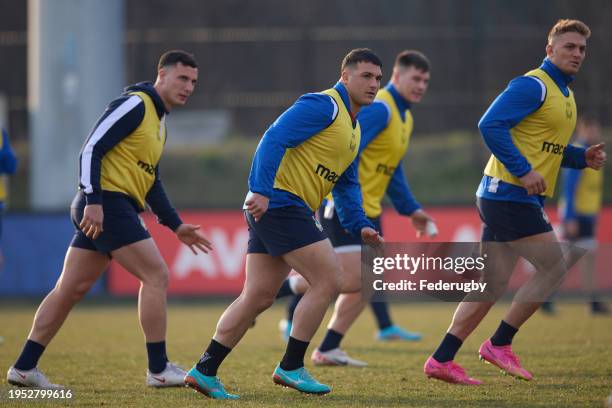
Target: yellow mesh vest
(311, 169)
(542, 136)
(129, 167)
(382, 155)
(589, 192)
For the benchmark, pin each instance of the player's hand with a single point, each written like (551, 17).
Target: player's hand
(257, 205)
(570, 229)
(93, 219)
(533, 182)
(190, 235)
(419, 220)
(596, 156)
(371, 237)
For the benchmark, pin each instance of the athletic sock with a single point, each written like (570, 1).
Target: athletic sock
(503, 335)
(292, 305)
(212, 358)
(294, 355)
(381, 312)
(157, 357)
(331, 340)
(285, 290)
(29, 355)
(448, 348)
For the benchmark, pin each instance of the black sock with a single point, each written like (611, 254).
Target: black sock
(503, 335)
(285, 290)
(381, 312)
(448, 348)
(157, 357)
(292, 305)
(29, 355)
(331, 340)
(212, 358)
(294, 355)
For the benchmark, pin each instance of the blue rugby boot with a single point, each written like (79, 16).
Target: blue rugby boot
(300, 380)
(397, 333)
(207, 385)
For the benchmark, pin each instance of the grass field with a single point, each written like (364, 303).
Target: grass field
(100, 355)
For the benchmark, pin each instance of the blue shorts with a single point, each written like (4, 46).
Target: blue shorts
(282, 230)
(122, 225)
(338, 235)
(506, 221)
(586, 226)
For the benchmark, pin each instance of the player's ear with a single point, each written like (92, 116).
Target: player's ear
(161, 74)
(344, 75)
(549, 50)
(395, 74)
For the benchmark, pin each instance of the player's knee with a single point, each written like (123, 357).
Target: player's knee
(301, 285)
(263, 301)
(258, 300)
(496, 289)
(161, 279)
(349, 281)
(157, 277)
(328, 285)
(350, 285)
(75, 291)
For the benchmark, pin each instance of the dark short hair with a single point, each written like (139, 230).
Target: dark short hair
(360, 55)
(173, 57)
(412, 58)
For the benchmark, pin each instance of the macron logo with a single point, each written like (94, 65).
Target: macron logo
(326, 173)
(553, 148)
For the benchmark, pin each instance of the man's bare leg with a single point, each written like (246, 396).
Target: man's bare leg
(264, 275)
(470, 311)
(545, 253)
(349, 304)
(321, 267)
(143, 260)
(347, 309)
(81, 269)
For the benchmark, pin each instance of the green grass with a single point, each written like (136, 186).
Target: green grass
(100, 355)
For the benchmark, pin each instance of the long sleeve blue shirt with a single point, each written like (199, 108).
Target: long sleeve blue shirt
(8, 160)
(571, 178)
(570, 183)
(374, 119)
(308, 116)
(523, 96)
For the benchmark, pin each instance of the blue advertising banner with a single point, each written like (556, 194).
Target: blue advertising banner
(33, 246)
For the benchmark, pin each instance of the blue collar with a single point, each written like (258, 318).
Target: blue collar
(402, 104)
(344, 95)
(345, 98)
(561, 79)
